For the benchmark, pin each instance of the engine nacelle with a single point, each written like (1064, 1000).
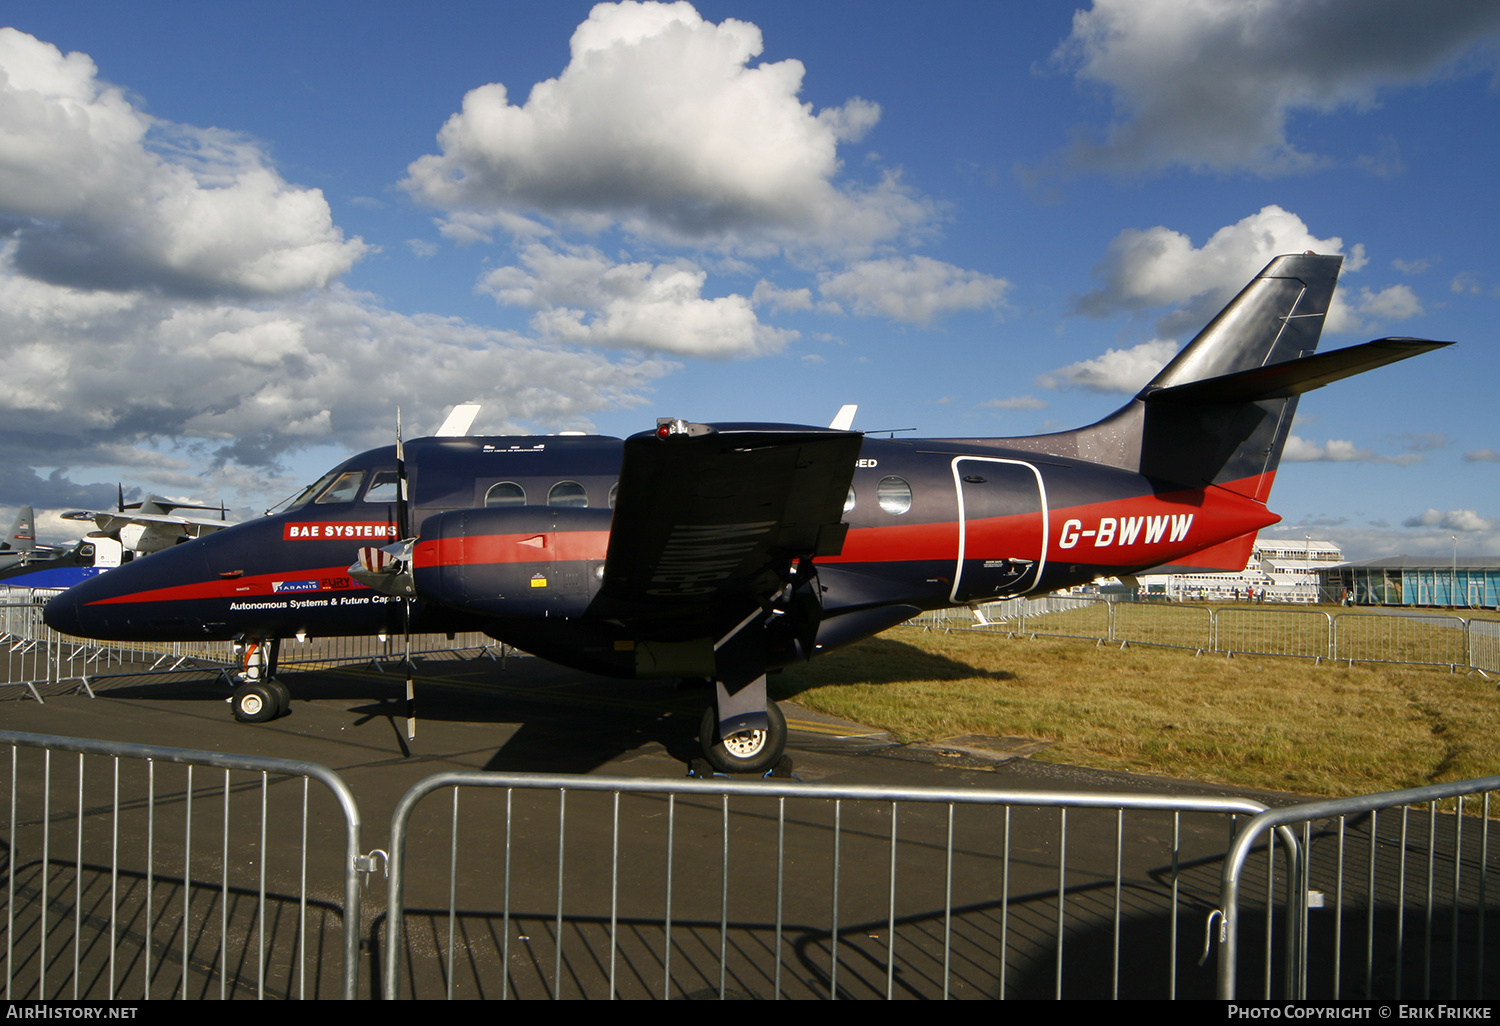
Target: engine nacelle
(526, 561)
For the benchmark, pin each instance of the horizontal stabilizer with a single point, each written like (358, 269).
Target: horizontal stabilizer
(1293, 377)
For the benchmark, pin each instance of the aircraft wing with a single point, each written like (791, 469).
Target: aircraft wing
(110, 522)
(710, 518)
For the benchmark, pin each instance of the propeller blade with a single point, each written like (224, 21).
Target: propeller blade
(403, 522)
(411, 683)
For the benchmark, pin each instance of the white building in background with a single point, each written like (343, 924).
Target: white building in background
(1280, 569)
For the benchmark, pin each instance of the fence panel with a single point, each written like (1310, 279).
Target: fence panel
(1398, 890)
(1057, 616)
(797, 890)
(1288, 632)
(135, 871)
(1400, 638)
(1484, 645)
(1174, 626)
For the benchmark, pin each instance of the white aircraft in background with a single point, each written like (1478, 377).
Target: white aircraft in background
(152, 524)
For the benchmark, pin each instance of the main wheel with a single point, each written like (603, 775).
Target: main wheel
(283, 697)
(751, 751)
(254, 702)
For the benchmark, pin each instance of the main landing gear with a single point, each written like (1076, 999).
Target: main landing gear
(258, 696)
(755, 750)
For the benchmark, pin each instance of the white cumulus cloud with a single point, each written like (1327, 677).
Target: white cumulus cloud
(583, 297)
(1212, 84)
(915, 289)
(1154, 268)
(661, 123)
(1158, 267)
(1453, 520)
(99, 195)
(1118, 370)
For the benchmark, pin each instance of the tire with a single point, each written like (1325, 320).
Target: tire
(283, 697)
(750, 752)
(254, 702)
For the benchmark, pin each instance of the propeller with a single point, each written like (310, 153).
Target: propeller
(403, 533)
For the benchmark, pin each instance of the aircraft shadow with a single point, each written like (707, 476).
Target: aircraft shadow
(877, 660)
(558, 720)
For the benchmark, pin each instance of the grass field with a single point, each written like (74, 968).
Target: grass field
(1279, 723)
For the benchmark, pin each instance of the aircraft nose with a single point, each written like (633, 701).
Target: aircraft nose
(134, 601)
(61, 613)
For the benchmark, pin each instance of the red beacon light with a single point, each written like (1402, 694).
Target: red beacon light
(666, 427)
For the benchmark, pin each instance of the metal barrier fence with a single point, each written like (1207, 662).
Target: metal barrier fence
(108, 896)
(805, 890)
(717, 888)
(1427, 639)
(38, 658)
(1385, 924)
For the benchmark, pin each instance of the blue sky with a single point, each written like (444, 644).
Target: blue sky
(234, 237)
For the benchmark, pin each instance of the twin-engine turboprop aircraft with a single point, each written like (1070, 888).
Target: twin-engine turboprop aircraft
(724, 551)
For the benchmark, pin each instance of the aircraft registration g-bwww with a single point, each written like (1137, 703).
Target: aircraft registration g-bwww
(724, 551)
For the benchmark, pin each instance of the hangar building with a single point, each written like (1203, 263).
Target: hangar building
(1414, 581)
(1279, 570)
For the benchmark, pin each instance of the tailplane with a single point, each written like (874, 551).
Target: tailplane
(1220, 412)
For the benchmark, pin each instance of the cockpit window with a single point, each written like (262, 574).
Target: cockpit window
(311, 490)
(567, 493)
(506, 493)
(383, 488)
(343, 489)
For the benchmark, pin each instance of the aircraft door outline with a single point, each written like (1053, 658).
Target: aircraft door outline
(1032, 575)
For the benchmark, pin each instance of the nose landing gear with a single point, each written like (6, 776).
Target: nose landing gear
(258, 697)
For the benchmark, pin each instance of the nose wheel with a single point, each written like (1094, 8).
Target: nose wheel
(259, 701)
(259, 696)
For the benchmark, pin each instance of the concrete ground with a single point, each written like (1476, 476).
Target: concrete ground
(985, 920)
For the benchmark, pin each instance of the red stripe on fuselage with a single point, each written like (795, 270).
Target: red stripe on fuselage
(1218, 514)
(332, 578)
(554, 546)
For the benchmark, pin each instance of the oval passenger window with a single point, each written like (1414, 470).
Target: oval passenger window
(567, 493)
(894, 495)
(506, 493)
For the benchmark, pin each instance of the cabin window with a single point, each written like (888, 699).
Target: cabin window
(567, 493)
(894, 495)
(614, 493)
(383, 488)
(506, 493)
(849, 500)
(344, 488)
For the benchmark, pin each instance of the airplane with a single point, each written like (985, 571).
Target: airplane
(151, 525)
(19, 544)
(726, 551)
(25, 564)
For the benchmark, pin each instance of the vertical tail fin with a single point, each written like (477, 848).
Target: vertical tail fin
(22, 536)
(1237, 445)
(1230, 441)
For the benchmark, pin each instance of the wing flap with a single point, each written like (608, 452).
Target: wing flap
(713, 516)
